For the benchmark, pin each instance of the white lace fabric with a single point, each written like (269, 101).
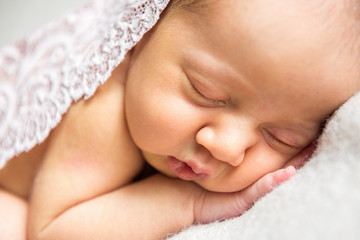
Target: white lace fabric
(42, 74)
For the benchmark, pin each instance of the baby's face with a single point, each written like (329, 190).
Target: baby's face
(225, 97)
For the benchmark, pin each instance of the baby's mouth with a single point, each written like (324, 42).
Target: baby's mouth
(183, 170)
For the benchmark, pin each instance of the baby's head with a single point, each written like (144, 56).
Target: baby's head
(222, 92)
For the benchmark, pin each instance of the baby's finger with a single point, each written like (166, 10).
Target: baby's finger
(265, 185)
(301, 158)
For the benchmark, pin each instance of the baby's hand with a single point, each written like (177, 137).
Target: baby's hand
(216, 206)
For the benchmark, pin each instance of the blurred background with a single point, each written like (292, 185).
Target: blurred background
(20, 17)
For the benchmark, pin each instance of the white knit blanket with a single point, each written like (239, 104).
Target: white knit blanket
(321, 202)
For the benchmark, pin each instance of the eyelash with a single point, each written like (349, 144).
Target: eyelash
(275, 141)
(213, 102)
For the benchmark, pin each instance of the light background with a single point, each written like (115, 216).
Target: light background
(20, 17)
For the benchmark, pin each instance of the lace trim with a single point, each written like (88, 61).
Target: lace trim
(42, 74)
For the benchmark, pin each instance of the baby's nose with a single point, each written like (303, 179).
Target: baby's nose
(227, 145)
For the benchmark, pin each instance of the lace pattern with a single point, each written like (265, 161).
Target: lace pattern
(42, 74)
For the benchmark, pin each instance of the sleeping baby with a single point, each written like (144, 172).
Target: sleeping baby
(221, 100)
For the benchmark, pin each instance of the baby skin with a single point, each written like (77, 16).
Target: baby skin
(216, 98)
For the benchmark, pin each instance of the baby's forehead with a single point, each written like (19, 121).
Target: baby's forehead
(297, 42)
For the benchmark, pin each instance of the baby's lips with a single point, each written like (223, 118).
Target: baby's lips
(187, 170)
(198, 170)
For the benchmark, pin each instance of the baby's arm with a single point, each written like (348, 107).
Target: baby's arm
(147, 209)
(13, 215)
(153, 207)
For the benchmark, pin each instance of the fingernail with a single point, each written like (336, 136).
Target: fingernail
(290, 169)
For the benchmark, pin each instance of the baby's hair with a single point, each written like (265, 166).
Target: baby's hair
(345, 17)
(189, 5)
(182, 4)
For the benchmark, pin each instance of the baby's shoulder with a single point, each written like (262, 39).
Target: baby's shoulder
(98, 118)
(95, 129)
(101, 114)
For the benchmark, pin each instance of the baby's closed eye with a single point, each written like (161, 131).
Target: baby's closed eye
(282, 145)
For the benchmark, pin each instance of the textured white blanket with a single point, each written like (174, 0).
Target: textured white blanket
(321, 202)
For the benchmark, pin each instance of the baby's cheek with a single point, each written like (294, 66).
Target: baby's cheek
(258, 162)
